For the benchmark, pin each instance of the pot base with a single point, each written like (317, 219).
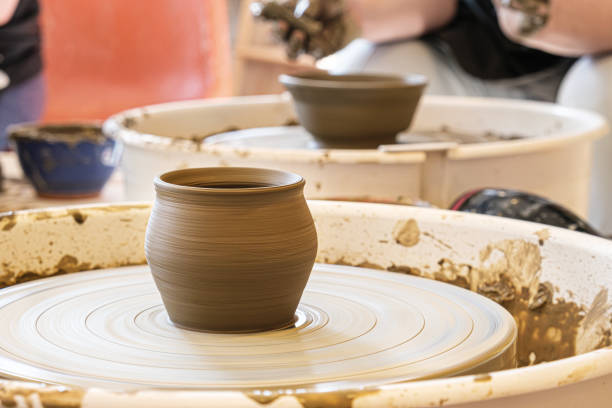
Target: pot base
(290, 324)
(323, 143)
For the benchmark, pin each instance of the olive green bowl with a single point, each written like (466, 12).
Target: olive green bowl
(354, 110)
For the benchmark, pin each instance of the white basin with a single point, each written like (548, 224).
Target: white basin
(550, 157)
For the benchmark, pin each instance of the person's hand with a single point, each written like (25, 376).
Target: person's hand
(524, 17)
(315, 27)
(4, 80)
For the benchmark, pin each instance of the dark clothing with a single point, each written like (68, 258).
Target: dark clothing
(20, 55)
(482, 50)
(23, 102)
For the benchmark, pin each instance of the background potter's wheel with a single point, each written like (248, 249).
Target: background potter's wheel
(276, 137)
(355, 327)
(296, 137)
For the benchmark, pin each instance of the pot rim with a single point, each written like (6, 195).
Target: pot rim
(265, 176)
(324, 80)
(31, 130)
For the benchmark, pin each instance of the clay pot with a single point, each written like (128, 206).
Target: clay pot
(230, 248)
(65, 160)
(354, 111)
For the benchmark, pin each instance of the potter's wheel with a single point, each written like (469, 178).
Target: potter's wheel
(278, 137)
(354, 327)
(296, 137)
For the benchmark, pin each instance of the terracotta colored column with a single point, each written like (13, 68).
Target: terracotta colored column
(105, 56)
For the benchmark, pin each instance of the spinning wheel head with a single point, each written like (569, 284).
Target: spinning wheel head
(354, 328)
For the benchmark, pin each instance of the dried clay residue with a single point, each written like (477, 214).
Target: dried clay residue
(542, 235)
(365, 264)
(595, 331)
(8, 221)
(16, 395)
(70, 134)
(78, 216)
(578, 374)
(67, 264)
(453, 273)
(546, 333)
(437, 240)
(509, 273)
(263, 398)
(406, 232)
(313, 400)
(482, 378)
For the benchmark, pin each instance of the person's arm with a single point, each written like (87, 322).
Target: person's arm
(573, 28)
(7, 8)
(388, 20)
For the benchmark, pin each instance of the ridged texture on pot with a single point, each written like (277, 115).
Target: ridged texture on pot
(227, 259)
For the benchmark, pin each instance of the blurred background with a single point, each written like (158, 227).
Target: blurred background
(103, 57)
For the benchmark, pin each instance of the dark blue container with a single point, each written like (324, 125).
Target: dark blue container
(65, 160)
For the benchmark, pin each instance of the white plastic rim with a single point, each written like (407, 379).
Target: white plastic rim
(580, 125)
(553, 159)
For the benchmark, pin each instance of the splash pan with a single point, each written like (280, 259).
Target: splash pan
(555, 283)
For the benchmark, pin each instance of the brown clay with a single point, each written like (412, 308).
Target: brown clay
(354, 111)
(230, 249)
(70, 133)
(548, 329)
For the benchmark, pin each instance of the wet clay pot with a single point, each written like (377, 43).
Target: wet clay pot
(356, 110)
(230, 248)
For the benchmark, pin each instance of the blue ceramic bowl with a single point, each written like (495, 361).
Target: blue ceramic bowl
(65, 160)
